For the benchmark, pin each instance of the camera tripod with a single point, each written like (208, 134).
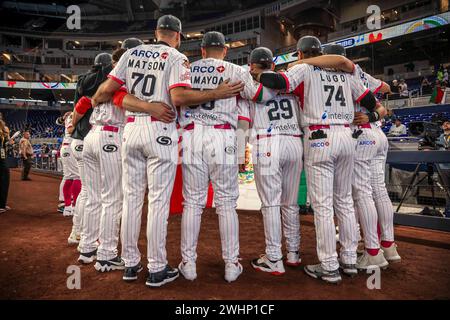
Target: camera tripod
(430, 171)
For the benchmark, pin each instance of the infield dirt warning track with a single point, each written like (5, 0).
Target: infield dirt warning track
(35, 256)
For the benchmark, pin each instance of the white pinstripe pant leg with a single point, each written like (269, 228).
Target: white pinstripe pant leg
(223, 170)
(195, 193)
(161, 169)
(319, 166)
(61, 186)
(93, 206)
(291, 171)
(342, 195)
(380, 195)
(134, 182)
(111, 193)
(77, 149)
(70, 168)
(362, 190)
(268, 179)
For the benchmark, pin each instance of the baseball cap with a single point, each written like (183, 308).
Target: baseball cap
(261, 55)
(169, 22)
(103, 59)
(213, 39)
(334, 49)
(131, 43)
(308, 43)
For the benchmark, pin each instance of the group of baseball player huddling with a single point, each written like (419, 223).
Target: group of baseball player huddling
(156, 109)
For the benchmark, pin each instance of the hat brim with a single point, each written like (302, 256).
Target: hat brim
(295, 54)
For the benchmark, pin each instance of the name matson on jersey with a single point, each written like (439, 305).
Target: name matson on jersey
(146, 64)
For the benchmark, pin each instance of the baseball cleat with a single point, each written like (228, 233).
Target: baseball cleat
(317, 272)
(391, 254)
(61, 207)
(73, 238)
(158, 279)
(366, 261)
(232, 271)
(131, 273)
(188, 270)
(349, 269)
(263, 264)
(109, 265)
(88, 257)
(67, 212)
(293, 259)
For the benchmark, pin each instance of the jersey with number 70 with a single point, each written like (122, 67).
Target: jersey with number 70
(326, 96)
(150, 71)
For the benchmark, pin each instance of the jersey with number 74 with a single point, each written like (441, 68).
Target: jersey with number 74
(326, 97)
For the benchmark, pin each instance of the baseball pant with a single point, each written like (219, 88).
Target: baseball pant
(278, 167)
(365, 209)
(77, 151)
(27, 163)
(149, 159)
(209, 154)
(103, 177)
(329, 169)
(380, 195)
(70, 172)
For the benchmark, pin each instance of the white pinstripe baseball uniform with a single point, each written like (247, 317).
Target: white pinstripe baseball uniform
(103, 178)
(77, 152)
(209, 154)
(371, 154)
(149, 148)
(70, 168)
(326, 98)
(277, 154)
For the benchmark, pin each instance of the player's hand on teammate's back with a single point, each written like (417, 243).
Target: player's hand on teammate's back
(360, 118)
(161, 111)
(227, 90)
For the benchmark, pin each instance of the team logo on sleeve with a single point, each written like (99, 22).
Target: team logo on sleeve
(164, 140)
(110, 148)
(221, 69)
(164, 55)
(65, 154)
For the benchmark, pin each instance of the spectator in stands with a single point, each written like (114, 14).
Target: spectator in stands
(395, 90)
(440, 73)
(26, 153)
(444, 143)
(389, 116)
(403, 89)
(425, 87)
(397, 129)
(4, 170)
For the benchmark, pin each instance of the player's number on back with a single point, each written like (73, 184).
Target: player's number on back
(148, 84)
(339, 96)
(280, 109)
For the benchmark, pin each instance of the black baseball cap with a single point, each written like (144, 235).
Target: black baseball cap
(213, 39)
(334, 49)
(131, 43)
(308, 44)
(261, 55)
(169, 22)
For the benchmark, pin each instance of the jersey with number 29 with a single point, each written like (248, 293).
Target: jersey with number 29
(150, 71)
(326, 96)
